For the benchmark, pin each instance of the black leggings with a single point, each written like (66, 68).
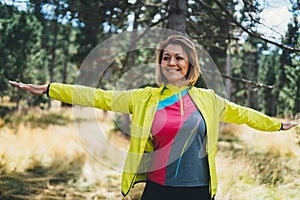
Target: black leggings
(154, 191)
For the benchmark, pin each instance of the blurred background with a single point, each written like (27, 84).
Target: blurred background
(254, 44)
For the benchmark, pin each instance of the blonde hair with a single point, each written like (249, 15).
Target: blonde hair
(189, 48)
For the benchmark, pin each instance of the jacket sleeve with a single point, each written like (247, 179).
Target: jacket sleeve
(118, 101)
(233, 113)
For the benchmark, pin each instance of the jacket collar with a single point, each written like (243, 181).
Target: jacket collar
(173, 87)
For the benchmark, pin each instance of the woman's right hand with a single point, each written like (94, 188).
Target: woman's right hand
(34, 89)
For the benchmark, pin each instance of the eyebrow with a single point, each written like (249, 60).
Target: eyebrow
(176, 54)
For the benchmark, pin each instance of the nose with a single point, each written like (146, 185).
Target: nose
(172, 61)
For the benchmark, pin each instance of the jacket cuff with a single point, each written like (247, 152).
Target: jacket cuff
(47, 91)
(281, 127)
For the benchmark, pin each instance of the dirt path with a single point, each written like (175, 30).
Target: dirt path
(106, 152)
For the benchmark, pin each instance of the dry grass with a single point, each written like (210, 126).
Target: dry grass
(36, 162)
(257, 165)
(51, 162)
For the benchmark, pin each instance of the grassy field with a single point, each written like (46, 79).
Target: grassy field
(43, 157)
(255, 165)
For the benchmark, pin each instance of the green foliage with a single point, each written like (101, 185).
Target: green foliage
(211, 27)
(21, 54)
(41, 45)
(289, 73)
(268, 73)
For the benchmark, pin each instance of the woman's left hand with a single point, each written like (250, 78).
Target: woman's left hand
(288, 125)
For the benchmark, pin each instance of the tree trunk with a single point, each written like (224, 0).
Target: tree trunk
(297, 100)
(177, 15)
(66, 58)
(130, 61)
(252, 94)
(228, 72)
(53, 55)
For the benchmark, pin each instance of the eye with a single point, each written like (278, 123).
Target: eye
(166, 58)
(179, 58)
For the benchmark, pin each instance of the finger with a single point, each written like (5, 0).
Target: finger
(289, 125)
(295, 124)
(14, 83)
(17, 84)
(292, 124)
(24, 86)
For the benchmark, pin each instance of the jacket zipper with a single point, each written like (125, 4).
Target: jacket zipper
(181, 105)
(185, 145)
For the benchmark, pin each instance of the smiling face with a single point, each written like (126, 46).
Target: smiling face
(175, 65)
(177, 61)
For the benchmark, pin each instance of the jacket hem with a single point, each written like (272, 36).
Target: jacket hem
(125, 194)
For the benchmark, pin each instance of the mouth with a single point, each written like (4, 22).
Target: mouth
(172, 70)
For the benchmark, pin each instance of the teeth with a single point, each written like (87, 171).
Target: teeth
(172, 70)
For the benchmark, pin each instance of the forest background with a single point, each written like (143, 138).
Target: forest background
(47, 41)
(43, 41)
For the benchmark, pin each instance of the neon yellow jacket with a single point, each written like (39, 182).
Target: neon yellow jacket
(142, 103)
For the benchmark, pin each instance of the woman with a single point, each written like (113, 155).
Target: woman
(174, 126)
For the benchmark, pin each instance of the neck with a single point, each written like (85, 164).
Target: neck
(179, 84)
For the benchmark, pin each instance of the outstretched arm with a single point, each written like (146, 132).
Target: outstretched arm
(34, 89)
(234, 113)
(118, 101)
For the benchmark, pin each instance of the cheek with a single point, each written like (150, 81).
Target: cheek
(184, 72)
(163, 68)
(164, 64)
(185, 68)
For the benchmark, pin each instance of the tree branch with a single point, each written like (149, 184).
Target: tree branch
(248, 82)
(201, 35)
(250, 32)
(243, 80)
